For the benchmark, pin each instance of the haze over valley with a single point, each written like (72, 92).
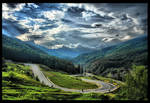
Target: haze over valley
(75, 51)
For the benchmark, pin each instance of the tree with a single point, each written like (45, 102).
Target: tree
(136, 83)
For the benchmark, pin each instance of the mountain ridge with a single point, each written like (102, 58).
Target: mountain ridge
(18, 50)
(115, 58)
(105, 49)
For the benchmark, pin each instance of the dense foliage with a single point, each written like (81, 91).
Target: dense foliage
(17, 50)
(136, 87)
(115, 61)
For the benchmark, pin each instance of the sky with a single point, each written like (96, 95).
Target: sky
(88, 25)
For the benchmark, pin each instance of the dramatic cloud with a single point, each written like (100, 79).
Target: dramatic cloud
(74, 25)
(53, 14)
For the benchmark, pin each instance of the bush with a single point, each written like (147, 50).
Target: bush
(12, 76)
(36, 78)
(104, 97)
(29, 74)
(136, 83)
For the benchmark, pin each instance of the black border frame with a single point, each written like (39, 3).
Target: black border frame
(77, 1)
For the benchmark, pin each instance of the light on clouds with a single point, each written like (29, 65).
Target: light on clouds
(87, 25)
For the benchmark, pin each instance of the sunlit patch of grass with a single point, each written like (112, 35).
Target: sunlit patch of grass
(67, 81)
(107, 80)
(18, 85)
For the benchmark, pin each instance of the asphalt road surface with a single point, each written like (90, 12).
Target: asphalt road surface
(102, 86)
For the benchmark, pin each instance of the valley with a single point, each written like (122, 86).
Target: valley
(75, 51)
(77, 83)
(99, 75)
(24, 84)
(115, 61)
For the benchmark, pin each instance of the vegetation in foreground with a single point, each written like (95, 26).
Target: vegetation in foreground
(64, 80)
(136, 84)
(18, 83)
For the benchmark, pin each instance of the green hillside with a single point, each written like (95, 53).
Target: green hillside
(115, 61)
(17, 50)
(65, 80)
(18, 83)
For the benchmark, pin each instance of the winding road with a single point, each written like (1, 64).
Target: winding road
(103, 87)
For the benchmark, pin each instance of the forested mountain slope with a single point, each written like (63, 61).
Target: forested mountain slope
(121, 56)
(17, 50)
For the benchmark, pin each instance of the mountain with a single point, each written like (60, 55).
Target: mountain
(68, 53)
(63, 52)
(18, 50)
(121, 56)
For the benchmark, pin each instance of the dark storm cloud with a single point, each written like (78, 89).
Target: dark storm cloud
(48, 27)
(35, 37)
(12, 5)
(91, 25)
(13, 28)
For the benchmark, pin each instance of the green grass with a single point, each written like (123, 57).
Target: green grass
(108, 80)
(67, 81)
(18, 83)
(94, 96)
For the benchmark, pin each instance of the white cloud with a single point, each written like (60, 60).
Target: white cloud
(53, 14)
(19, 7)
(44, 40)
(138, 30)
(36, 24)
(88, 7)
(56, 46)
(48, 34)
(127, 37)
(58, 29)
(73, 45)
(32, 5)
(90, 36)
(7, 15)
(36, 20)
(135, 21)
(23, 37)
(119, 24)
(65, 33)
(7, 12)
(87, 15)
(24, 23)
(111, 14)
(74, 5)
(5, 7)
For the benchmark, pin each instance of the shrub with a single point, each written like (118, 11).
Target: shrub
(136, 84)
(36, 78)
(104, 97)
(12, 76)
